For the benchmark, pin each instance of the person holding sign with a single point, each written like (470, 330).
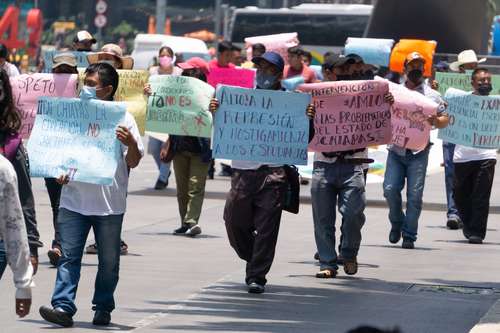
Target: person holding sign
(83, 41)
(474, 173)
(410, 165)
(84, 206)
(255, 202)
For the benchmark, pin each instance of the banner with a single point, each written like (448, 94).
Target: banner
(374, 51)
(291, 84)
(81, 59)
(474, 120)
(409, 114)
(77, 138)
(179, 105)
(349, 115)
(237, 77)
(26, 89)
(279, 43)
(266, 126)
(462, 82)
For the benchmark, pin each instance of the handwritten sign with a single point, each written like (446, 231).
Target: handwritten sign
(279, 43)
(349, 115)
(374, 51)
(474, 120)
(26, 89)
(462, 82)
(265, 126)
(409, 114)
(81, 59)
(237, 77)
(179, 105)
(76, 137)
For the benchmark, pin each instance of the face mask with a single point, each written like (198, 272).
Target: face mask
(484, 89)
(355, 76)
(266, 81)
(415, 76)
(166, 61)
(343, 77)
(88, 92)
(368, 75)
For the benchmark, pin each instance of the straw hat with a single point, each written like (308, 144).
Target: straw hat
(465, 57)
(110, 52)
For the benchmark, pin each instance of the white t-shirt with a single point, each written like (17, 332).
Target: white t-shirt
(92, 199)
(467, 154)
(10, 69)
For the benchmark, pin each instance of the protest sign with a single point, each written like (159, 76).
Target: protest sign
(406, 46)
(77, 138)
(292, 83)
(179, 106)
(409, 114)
(462, 81)
(349, 115)
(474, 120)
(279, 43)
(374, 51)
(266, 126)
(26, 89)
(81, 59)
(237, 77)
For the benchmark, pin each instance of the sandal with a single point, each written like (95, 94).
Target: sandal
(326, 274)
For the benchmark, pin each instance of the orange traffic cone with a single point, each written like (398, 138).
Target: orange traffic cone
(152, 25)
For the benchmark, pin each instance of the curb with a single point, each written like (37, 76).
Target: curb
(490, 323)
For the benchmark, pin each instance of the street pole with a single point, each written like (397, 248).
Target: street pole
(161, 13)
(285, 4)
(218, 5)
(225, 26)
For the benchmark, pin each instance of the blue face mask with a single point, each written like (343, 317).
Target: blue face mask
(88, 92)
(266, 81)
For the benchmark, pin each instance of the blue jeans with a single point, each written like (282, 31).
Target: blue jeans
(74, 229)
(412, 168)
(449, 172)
(345, 184)
(3, 258)
(154, 148)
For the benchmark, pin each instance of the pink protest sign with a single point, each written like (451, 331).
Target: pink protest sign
(409, 114)
(26, 89)
(237, 77)
(349, 115)
(279, 43)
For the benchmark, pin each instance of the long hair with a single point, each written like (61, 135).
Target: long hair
(10, 119)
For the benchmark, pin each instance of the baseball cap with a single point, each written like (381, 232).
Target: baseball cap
(273, 58)
(414, 56)
(195, 62)
(65, 58)
(84, 35)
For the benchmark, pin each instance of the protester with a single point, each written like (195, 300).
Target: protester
(307, 58)
(237, 58)
(192, 157)
(296, 66)
(467, 61)
(4, 64)
(113, 55)
(405, 164)
(84, 206)
(255, 202)
(224, 56)
(474, 173)
(63, 63)
(166, 66)
(13, 234)
(83, 41)
(11, 146)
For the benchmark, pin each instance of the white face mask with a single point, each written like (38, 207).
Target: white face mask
(88, 92)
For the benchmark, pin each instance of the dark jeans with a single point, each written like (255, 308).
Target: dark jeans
(473, 182)
(3, 258)
(252, 215)
(74, 229)
(449, 171)
(54, 189)
(342, 185)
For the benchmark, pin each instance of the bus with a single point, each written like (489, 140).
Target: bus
(320, 27)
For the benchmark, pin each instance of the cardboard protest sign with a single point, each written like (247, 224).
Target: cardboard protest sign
(279, 43)
(179, 105)
(292, 83)
(406, 46)
(349, 115)
(462, 82)
(266, 126)
(237, 77)
(409, 114)
(374, 51)
(27, 89)
(81, 59)
(76, 137)
(474, 120)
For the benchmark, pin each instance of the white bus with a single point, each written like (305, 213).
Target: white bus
(321, 27)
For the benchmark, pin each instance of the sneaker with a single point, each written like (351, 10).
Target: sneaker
(255, 288)
(408, 244)
(160, 185)
(193, 231)
(395, 236)
(56, 316)
(475, 240)
(123, 248)
(101, 318)
(350, 266)
(181, 231)
(54, 255)
(91, 249)
(454, 223)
